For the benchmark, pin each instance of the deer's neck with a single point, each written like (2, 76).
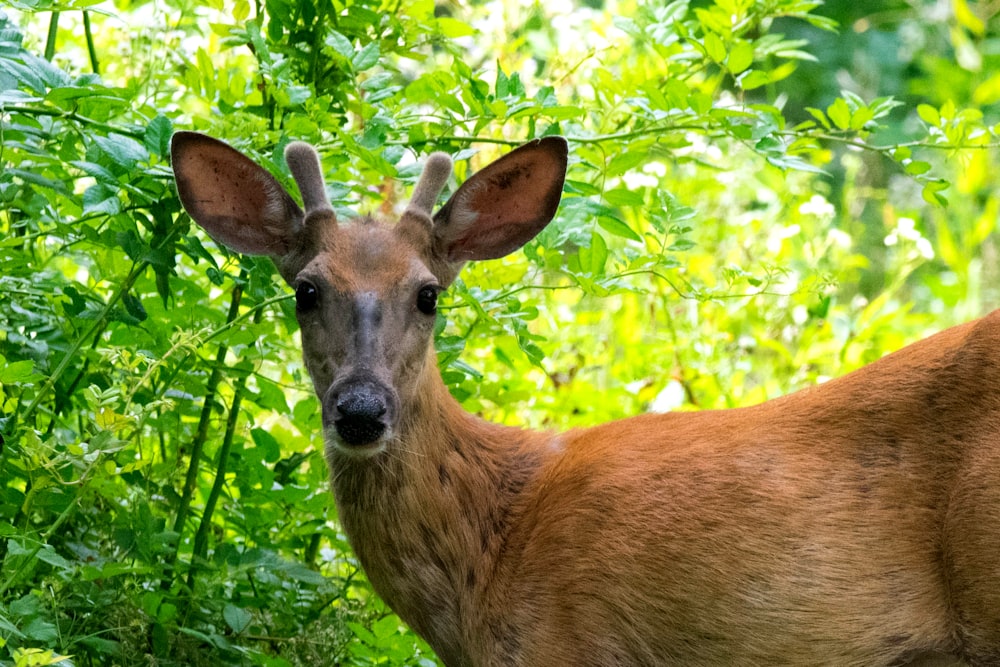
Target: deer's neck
(429, 517)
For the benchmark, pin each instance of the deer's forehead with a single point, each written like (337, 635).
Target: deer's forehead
(367, 257)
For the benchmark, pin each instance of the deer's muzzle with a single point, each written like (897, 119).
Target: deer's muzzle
(361, 411)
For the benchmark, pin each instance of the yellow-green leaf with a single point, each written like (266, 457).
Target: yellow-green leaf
(840, 113)
(740, 56)
(714, 47)
(929, 114)
(861, 117)
(966, 18)
(932, 192)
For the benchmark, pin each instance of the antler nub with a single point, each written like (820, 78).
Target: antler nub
(437, 169)
(303, 161)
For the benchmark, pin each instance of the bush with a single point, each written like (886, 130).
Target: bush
(734, 226)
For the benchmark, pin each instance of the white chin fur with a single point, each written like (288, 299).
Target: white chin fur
(334, 444)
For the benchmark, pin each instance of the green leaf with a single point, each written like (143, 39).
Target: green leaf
(25, 75)
(123, 151)
(386, 627)
(340, 44)
(237, 618)
(882, 106)
(453, 28)
(901, 153)
(740, 56)
(617, 227)
(531, 350)
(11, 96)
(795, 54)
(101, 199)
(363, 633)
(132, 244)
(624, 197)
(929, 115)
(793, 162)
(502, 85)
(97, 171)
(931, 192)
(861, 117)
(133, 306)
(839, 113)
(820, 116)
(967, 18)
(754, 79)
(377, 82)
(209, 638)
(30, 176)
(17, 371)
(714, 47)
(366, 58)
(269, 395)
(594, 258)
(582, 188)
(157, 137)
(40, 630)
(48, 555)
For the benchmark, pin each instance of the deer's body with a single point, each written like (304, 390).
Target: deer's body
(761, 535)
(853, 523)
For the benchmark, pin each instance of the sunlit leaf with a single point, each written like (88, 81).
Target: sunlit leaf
(157, 137)
(340, 44)
(123, 151)
(740, 57)
(366, 58)
(929, 114)
(617, 227)
(714, 47)
(18, 371)
(839, 113)
(931, 192)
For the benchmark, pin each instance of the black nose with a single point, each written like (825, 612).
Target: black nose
(360, 415)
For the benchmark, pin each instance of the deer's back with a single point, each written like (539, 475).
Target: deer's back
(866, 508)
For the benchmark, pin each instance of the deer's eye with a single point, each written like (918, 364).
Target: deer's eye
(427, 299)
(306, 296)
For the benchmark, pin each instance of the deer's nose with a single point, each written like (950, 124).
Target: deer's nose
(360, 414)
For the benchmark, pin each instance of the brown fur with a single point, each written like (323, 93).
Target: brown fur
(853, 523)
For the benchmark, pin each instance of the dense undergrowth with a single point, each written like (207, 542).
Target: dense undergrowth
(761, 195)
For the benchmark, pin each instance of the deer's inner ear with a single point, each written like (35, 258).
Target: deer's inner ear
(504, 205)
(236, 201)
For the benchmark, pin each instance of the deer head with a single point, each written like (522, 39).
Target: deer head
(366, 291)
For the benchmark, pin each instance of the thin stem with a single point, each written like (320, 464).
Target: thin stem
(28, 110)
(855, 142)
(201, 435)
(91, 49)
(312, 550)
(259, 308)
(197, 445)
(201, 537)
(50, 41)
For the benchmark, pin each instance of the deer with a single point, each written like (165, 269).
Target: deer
(855, 522)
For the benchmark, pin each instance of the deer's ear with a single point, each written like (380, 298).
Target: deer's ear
(236, 201)
(503, 206)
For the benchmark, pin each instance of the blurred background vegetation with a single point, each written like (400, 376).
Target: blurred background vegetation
(761, 195)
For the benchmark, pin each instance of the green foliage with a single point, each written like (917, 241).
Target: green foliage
(734, 226)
